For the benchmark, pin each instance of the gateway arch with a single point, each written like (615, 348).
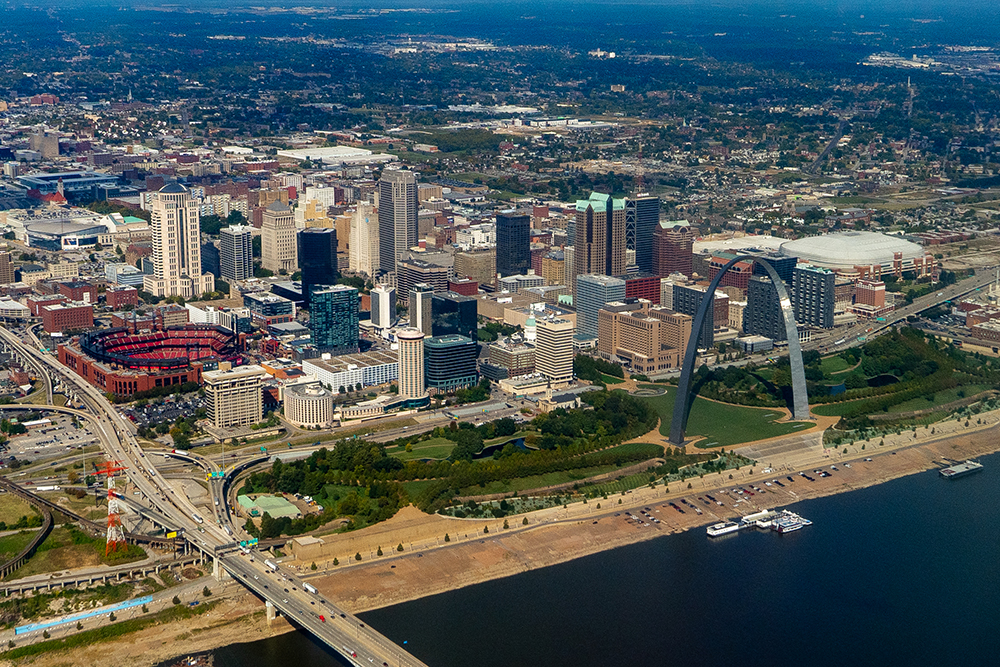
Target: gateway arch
(800, 400)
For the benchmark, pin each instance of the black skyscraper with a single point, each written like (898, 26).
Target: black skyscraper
(317, 258)
(453, 313)
(513, 243)
(642, 214)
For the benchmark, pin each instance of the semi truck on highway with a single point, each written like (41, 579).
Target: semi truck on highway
(310, 588)
(197, 518)
(271, 565)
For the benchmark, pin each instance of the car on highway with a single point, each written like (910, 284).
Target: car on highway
(322, 618)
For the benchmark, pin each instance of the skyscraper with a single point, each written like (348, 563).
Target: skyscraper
(420, 308)
(383, 307)
(176, 245)
(513, 243)
(812, 295)
(554, 350)
(453, 313)
(236, 252)
(363, 246)
(211, 260)
(333, 319)
(6, 268)
(450, 362)
(317, 251)
(278, 251)
(397, 216)
(411, 363)
(642, 214)
(672, 244)
(593, 292)
(599, 246)
(762, 316)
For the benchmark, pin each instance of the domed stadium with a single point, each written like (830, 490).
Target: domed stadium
(843, 251)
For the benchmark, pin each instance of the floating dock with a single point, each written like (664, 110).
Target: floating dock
(783, 521)
(960, 469)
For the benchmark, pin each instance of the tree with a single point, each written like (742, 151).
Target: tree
(447, 538)
(400, 547)
(46, 635)
(379, 552)
(79, 625)
(313, 567)
(206, 592)
(357, 556)
(112, 617)
(176, 600)
(336, 561)
(486, 529)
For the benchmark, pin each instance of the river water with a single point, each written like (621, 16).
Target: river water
(904, 573)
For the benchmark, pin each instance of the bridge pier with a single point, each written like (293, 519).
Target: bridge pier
(217, 570)
(272, 612)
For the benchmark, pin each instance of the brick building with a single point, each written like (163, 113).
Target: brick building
(119, 296)
(62, 317)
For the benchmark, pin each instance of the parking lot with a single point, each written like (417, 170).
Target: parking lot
(46, 441)
(159, 411)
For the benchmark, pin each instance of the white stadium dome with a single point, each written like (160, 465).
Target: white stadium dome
(845, 250)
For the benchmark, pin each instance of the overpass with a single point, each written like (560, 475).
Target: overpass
(869, 329)
(211, 539)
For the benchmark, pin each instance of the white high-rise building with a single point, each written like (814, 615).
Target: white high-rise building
(397, 216)
(383, 307)
(411, 363)
(363, 242)
(554, 350)
(234, 396)
(176, 246)
(278, 243)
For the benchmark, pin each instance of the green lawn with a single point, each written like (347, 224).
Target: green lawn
(837, 409)
(919, 403)
(611, 379)
(721, 424)
(435, 448)
(505, 438)
(831, 365)
(13, 508)
(628, 483)
(415, 488)
(537, 481)
(64, 549)
(11, 545)
(940, 398)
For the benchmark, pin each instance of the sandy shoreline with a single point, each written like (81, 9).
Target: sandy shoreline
(554, 536)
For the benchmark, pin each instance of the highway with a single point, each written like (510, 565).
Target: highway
(869, 329)
(344, 632)
(297, 605)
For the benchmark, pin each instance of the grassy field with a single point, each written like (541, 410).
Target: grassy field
(537, 481)
(13, 508)
(619, 486)
(63, 550)
(940, 398)
(11, 545)
(610, 379)
(58, 553)
(836, 409)
(832, 365)
(920, 403)
(435, 448)
(721, 424)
